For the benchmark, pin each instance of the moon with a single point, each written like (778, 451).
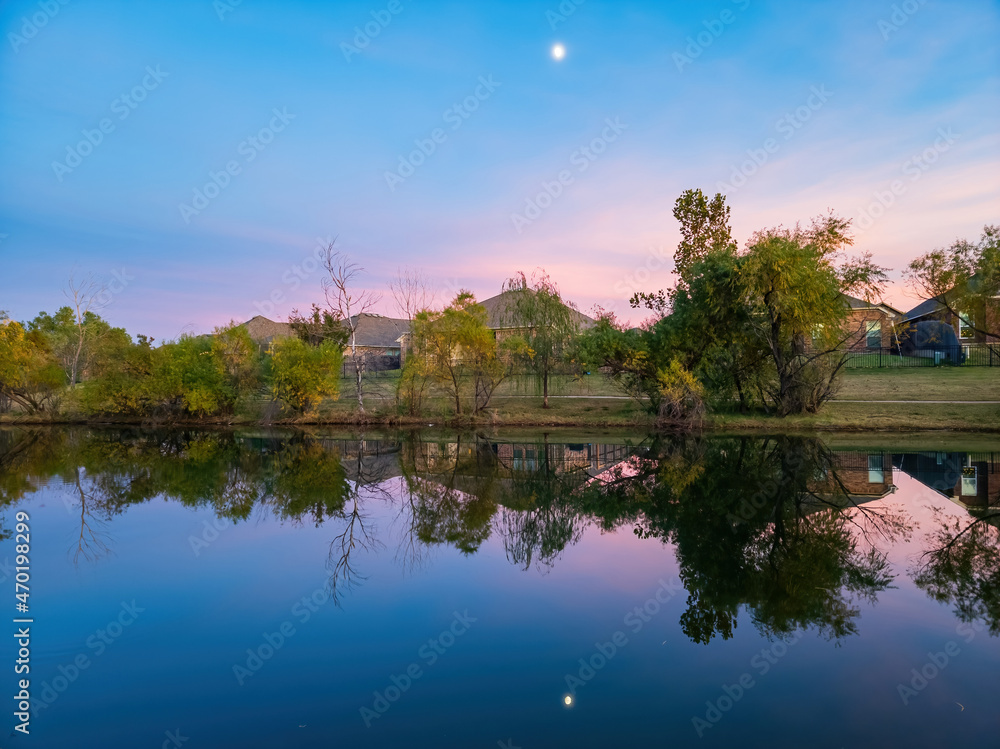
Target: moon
(558, 51)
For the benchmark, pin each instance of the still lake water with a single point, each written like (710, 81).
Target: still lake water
(289, 589)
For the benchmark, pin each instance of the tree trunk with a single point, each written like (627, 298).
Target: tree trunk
(545, 390)
(76, 359)
(357, 370)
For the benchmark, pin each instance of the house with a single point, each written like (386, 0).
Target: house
(500, 311)
(262, 330)
(939, 309)
(870, 325)
(376, 336)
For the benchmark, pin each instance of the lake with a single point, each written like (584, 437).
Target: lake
(253, 588)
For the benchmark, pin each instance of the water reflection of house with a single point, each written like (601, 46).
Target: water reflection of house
(560, 457)
(970, 479)
(861, 475)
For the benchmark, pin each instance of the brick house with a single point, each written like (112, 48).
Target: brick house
(376, 335)
(870, 325)
(987, 318)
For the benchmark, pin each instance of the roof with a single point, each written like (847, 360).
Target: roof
(854, 303)
(263, 330)
(497, 312)
(373, 331)
(936, 305)
(378, 332)
(927, 307)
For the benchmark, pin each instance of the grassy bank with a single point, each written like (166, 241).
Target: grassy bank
(594, 403)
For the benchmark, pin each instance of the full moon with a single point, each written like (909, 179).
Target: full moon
(558, 51)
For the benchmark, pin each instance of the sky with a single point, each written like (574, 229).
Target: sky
(192, 156)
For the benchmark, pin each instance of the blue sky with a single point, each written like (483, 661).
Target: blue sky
(809, 106)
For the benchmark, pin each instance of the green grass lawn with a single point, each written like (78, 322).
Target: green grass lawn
(923, 384)
(517, 404)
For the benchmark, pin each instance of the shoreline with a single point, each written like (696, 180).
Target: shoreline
(976, 422)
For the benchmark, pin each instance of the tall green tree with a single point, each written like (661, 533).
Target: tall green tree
(537, 313)
(794, 283)
(30, 376)
(965, 279)
(456, 351)
(75, 342)
(704, 228)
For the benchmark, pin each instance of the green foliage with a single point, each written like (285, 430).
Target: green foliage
(455, 350)
(682, 397)
(632, 358)
(965, 278)
(194, 376)
(75, 345)
(238, 359)
(319, 326)
(302, 375)
(794, 288)
(545, 324)
(765, 326)
(30, 376)
(704, 228)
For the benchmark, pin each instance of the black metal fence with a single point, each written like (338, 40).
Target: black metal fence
(373, 363)
(962, 355)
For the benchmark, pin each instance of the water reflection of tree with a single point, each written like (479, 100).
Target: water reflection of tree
(452, 489)
(365, 484)
(92, 543)
(764, 524)
(543, 521)
(962, 568)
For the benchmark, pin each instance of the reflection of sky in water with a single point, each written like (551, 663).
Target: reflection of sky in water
(505, 677)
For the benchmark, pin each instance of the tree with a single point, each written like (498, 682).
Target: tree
(302, 375)
(545, 323)
(456, 350)
(62, 331)
(795, 291)
(704, 227)
(321, 325)
(123, 379)
(29, 373)
(238, 359)
(631, 357)
(711, 331)
(965, 279)
(411, 292)
(85, 298)
(347, 305)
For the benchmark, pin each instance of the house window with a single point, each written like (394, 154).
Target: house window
(965, 326)
(970, 482)
(876, 469)
(873, 334)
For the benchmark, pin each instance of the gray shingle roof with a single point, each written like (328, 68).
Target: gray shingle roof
(374, 331)
(498, 316)
(927, 307)
(263, 330)
(854, 303)
(377, 331)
